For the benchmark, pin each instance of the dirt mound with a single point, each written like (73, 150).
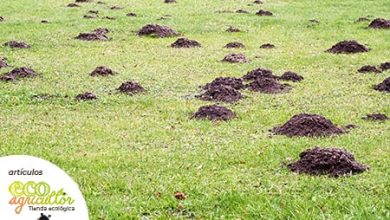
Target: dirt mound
(234, 45)
(73, 5)
(17, 44)
(267, 46)
(291, 76)
(131, 88)
(221, 93)
(155, 30)
(334, 162)
(235, 58)
(233, 29)
(380, 23)
(98, 34)
(348, 47)
(235, 83)
(309, 125)
(214, 113)
(3, 62)
(131, 14)
(86, 96)
(376, 117)
(102, 71)
(259, 73)
(185, 43)
(264, 13)
(17, 73)
(268, 85)
(385, 66)
(383, 86)
(369, 69)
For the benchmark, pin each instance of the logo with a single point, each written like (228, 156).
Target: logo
(30, 187)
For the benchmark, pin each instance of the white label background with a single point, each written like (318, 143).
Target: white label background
(52, 175)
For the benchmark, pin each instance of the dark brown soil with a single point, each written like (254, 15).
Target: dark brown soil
(102, 71)
(235, 58)
(155, 30)
(185, 43)
(242, 11)
(73, 5)
(267, 46)
(221, 93)
(98, 34)
(116, 7)
(44, 21)
(385, 66)
(235, 83)
(369, 69)
(169, 1)
(234, 45)
(131, 88)
(131, 14)
(268, 85)
(334, 162)
(18, 73)
(3, 62)
(264, 13)
(233, 29)
(348, 47)
(86, 96)
(380, 23)
(17, 44)
(291, 76)
(376, 117)
(309, 125)
(383, 86)
(180, 196)
(214, 113)
(259, 73)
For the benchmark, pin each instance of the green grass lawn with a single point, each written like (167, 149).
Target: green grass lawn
(125, 150)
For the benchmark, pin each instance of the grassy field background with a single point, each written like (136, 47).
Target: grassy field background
(124, 150)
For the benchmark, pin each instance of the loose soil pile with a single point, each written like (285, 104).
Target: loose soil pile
(234, 45)
(131, 14)
(267, 46)
(259, 73)
(369, 69)
(384, 86)
(155, 30)
(131, 88)
(385, 66)
(86, 96)
(233, 29)
(309, 125)
(98, 34)
(102, 71)
(348, 47)
(334, 162)
(17, 73)
(220, 93)
(380, 23)
(235, 83)
(376, 117)
(235, 58)
(264, 13)
(214, 113)
(3, 62)
(291, 76)
(268, 85)
(17, 44)
(73, 5)
(185, 43)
